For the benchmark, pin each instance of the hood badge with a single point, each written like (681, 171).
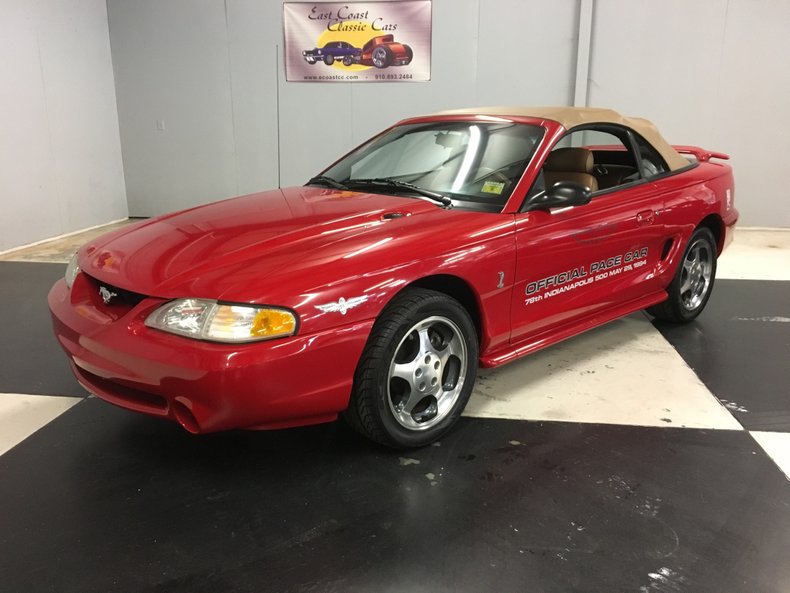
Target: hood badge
(106, 295)
(342, 305)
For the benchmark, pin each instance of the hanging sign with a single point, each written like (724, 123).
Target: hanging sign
(357, 41)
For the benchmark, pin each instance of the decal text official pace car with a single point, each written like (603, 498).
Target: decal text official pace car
(598, 270)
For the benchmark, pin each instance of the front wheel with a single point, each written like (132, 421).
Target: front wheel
(417, 370)
(381, 57)
(329, 60)
(693, 282)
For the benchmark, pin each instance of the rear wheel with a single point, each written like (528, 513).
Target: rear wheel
(417, 370)
(348, 60)
(693, 282)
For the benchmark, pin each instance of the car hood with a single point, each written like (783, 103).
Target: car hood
(229, 249)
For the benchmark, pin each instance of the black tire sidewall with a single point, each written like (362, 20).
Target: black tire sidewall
(437, 305)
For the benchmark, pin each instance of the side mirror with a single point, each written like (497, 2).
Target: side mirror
(562, 194)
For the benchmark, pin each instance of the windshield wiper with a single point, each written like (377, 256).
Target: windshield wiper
(436, 197)
(327, 181)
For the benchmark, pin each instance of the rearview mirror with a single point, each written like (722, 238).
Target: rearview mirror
(449, 139)
(562, 194)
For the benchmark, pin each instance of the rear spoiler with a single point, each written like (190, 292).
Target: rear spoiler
(702, 155)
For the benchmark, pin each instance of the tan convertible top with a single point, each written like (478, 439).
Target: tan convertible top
(570, 117)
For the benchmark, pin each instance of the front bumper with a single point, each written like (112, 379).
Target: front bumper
(204, 386)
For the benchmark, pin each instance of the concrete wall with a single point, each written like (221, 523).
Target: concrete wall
(210, 72)
(60, 153)
(715, 73)
(198, 84)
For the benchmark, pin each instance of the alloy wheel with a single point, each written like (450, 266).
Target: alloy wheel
(697, 272)
(426, 375)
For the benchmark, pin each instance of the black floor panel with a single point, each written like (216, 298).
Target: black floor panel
(32, 361)
(740, 348)
(106, 500)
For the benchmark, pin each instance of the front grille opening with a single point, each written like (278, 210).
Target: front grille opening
(133, 398)
(119, 296)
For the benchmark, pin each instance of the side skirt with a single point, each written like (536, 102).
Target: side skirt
(557, 334)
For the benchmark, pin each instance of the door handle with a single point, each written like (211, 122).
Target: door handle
(645, 217)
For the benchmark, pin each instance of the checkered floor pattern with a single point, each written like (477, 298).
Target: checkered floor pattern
(723, 378)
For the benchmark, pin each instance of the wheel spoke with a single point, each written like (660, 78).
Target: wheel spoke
(425, 342)
(404, 371)
(454, 347)
(686, 284)
(414, 398)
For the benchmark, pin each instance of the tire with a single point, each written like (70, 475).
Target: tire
(693, 282)
(347, 61)
(381, 57)
(329, 60)
(417, 371)
(409, 55)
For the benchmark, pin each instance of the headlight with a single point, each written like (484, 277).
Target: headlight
(204, 319)
(72, 270)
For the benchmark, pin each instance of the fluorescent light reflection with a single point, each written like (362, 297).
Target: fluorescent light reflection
(469, 158)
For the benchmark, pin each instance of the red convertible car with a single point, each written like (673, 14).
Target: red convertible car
(447, 242)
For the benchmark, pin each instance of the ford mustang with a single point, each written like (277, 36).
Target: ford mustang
(447, 242)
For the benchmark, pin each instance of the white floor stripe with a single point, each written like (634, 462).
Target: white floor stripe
(756, 255)
(777, 445)
(22, 415)
(621, 373)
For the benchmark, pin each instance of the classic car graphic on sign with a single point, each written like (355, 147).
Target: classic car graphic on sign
(462, 239)
(380, 52)
(383, 51)
(334, 50)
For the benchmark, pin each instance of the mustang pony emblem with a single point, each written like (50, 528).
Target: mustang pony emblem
(342, 305)
(106, 295)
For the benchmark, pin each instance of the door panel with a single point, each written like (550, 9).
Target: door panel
(575, 262)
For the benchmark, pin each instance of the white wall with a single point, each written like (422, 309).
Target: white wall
(715, 73)
(707, 72)
(60, 154)
(209, 70)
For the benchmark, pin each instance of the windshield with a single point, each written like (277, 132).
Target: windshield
(475, 164)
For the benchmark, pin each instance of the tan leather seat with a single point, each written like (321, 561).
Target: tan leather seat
(570, 164)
